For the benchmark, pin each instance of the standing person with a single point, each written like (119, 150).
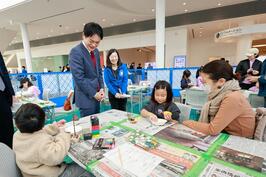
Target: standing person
(24, 71)
(139, 66)
(116, 80)
(186, 82)
(248, 67)
(84, 60)
(261, 81)
(6, 94)
(132, 65)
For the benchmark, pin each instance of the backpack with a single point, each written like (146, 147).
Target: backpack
(67, 103)
(260, 131)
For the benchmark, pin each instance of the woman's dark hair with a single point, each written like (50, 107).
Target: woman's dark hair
(161, 84)
(29, 118)
(24, 80)
(186, 73)
(108, 61)
(198, 71)
(218, 69)
(93, 28)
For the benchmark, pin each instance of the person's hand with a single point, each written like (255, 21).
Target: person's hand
(61, 123)
(74, 138)
(153, 117)
(15, 99)
(118, 95)
(253, 78)
(102, 93)
(249, 71)
(98, 96)
(168, 117)
(255, 72)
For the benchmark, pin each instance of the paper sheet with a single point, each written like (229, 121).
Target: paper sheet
(245, 145)
(133, 159)
(215, 169)
(146, 126)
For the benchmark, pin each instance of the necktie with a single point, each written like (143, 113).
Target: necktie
(93, 59)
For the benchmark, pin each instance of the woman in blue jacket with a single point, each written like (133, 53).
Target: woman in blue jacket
(116, 78)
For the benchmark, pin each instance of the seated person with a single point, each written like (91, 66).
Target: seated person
(40, 150)
(28, 89)
(227, 109)
(186, 82)
(248, 67)
(161, 101)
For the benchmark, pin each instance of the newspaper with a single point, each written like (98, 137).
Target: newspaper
(218, 170)
(106, 117)
(181, 134)
(244, 152)
(146, 126)
(83, 154)
(176, 162)
(133, 159)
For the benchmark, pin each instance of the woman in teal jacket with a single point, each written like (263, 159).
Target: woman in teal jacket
(116, 78)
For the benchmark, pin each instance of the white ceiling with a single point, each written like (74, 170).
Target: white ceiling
(47, 18)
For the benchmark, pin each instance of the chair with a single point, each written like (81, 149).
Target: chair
(256, 101)
(45, 94)
(8, 167)
(196, 98)
(185, 111)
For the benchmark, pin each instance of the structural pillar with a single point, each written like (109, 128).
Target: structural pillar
(26, 46)
(160, 33)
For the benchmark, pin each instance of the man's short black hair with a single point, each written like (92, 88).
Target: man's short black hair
(29, 118)
(93, 28)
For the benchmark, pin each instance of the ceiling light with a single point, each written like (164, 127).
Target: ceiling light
(201, 28)
(37, 33)
(184, 3)
(219, 4)
(4, 5)
(77, 30)
(11, 22)
(37, 37)
(152, 9)
(84, 24)
(112, 24)
(67, 27)
(200, 35)
(200, 32)
(103, 19)
(134, 19)
(186, 10)
(62, 33)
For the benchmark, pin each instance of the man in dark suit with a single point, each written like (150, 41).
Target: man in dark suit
(6, 101)
(84, 60)
(248, 67)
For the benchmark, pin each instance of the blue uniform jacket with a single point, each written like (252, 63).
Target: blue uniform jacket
(115, 83)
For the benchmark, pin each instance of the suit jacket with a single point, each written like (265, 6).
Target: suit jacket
(244, 65)
(87, 78)
(9, 92)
